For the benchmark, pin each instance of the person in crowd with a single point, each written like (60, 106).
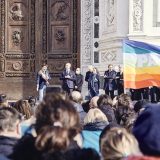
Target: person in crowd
(68, 78)
(42, 81)
(86, 106)
(145, 93)
(141, 158)
(24, 108)
(136, 94)
(79, 80)
(94, 83)
(105, 105)
(32, 101)
(109, 81)
(117, 143)
(94, 122)
(120, 81)
(147, 130)
(76, 98)
(87, 76)
(3, 100)
(9, 130)
(155, 94)
(123, 109)
(93, 102)
(139, 106)
(53, 111)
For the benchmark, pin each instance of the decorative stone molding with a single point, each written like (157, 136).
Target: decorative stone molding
(137, 15)
(86, 31)
(109, 56)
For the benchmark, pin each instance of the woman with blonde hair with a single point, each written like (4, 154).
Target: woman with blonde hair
(94, 122)
(117, 144)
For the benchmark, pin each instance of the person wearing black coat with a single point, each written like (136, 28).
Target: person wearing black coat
(88, 74)
(68, 78)
(120, 81)
(109, 81)
(94, 83)
(79, 80)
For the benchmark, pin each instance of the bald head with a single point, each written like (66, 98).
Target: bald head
(93, 102)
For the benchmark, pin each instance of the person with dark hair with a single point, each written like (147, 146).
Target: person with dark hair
(53, 111)
(79, 80)
(9, 127)
(105, 105)
(24, 108)
(124, 109)
(42, 81)
(109, 81)
(68, 78)
(94, 83)
(3, 100)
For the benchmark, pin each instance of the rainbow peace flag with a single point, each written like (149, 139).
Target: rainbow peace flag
(141, 64)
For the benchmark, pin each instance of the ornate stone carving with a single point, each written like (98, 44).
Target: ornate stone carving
(60, 36)
(86, 31)
(20, 66)
(60, 10)
(110, 12)
(2, 23)
(137, 15)
(17, 66)
(17, 37)
(111, 16)
(17, 13)
(59, 56)
(108, 56)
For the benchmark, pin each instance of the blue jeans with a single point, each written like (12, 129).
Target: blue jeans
(42, 93)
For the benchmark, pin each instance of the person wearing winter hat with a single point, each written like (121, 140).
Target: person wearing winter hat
(147, 130)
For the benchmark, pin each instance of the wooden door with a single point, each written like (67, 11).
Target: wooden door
(33, 32)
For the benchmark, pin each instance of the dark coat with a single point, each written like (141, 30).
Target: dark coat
(68, 82)
(6, 145)
(79, 82)
(93, 82)
(119, 79)
(109, 112)
(87, 75)
(41, 81)
(109, 80)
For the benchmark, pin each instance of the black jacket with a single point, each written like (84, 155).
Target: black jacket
(6, 145)
(79, 82)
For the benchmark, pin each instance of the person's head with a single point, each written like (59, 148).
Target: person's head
(104, 100)
(147, 130)
(90, 68)
(140, 105)
(95, 115)
(9, 119)
(95, 70)
(93, 102)
(23, 107)
(3, 100)
(44, 68)
(76, 97)
(117, 143)
(116, 68)
(68, 66)
(54, 109)
(78, 71)
(120, 68)
(52, 139)
(110, 67)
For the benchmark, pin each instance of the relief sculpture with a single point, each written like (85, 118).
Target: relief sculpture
(17, 13)
(60, 36)
(17, 37)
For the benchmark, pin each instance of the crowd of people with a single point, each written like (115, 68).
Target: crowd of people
(63, 126)
(66, 127)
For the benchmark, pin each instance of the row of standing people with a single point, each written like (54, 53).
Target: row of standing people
(113, 80)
